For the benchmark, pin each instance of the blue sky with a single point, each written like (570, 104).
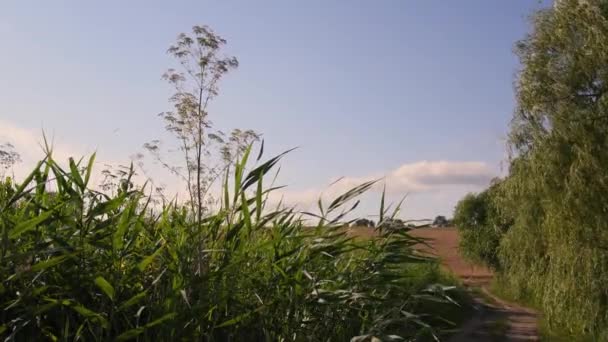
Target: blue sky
(365, 88)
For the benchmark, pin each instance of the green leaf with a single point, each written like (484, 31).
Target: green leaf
(43, 265)
(118, 238)
(158, 321)
(350, 194)
(87, 176)
(261, 151)
(76, 174)
(261, 170)
(245, 210)
(226, 190)
(105, 286)
(235, 320)
(130, 334)
(239, 318)
(147, 260)
(79, 331)
(91, 315)
(108, 206)
(20, 192)
(382, 199)
(398, 207)
(258, 200)
(29, 224)
(133, 300)
(238, 173)
(44, 308)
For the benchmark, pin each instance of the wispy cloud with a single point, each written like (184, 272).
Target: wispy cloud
(428, 175)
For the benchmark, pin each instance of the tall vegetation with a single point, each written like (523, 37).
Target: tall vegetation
(481, 223)
(556, 252)
(78, 264)
(206, 152)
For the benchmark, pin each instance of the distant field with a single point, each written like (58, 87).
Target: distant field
(443, 243)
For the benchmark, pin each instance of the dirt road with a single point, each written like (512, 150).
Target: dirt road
(495, 320)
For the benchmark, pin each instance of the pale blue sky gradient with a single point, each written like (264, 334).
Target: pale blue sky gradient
(362, 87)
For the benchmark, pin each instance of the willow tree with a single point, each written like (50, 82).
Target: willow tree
(557, 251)
(206, 151)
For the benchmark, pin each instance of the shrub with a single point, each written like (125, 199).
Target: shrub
(440, 221)
(364, 223)
(81, 264)
(481, 225)
(391, 224)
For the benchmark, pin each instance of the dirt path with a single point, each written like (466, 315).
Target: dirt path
(495, 320)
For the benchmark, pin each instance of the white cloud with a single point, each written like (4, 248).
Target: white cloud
(428, 175)
(419, 177)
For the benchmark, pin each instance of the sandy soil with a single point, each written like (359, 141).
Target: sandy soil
(494, 317)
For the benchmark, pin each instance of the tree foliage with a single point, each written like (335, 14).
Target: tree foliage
(556, 253)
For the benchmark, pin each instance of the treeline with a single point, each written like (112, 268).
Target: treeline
(544, 227)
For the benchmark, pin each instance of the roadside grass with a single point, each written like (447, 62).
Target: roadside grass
(453, 314)
(547, 331)
(457, 315)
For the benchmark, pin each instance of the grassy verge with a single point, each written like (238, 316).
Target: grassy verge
(547, 332)
(455, 316)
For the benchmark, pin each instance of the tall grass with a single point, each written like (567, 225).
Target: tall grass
(79, 264)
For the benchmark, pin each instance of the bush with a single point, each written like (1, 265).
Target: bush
(391, 224)
(440, 221)
(481, 225)
(81, 264)
(364, 223)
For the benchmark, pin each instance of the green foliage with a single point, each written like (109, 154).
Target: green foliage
(76, 263)
(556, 253)
(482, 225)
